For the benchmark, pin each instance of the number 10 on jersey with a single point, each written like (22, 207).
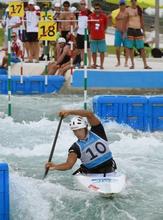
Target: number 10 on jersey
(47, 30)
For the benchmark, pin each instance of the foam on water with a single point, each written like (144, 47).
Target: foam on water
(25, 145)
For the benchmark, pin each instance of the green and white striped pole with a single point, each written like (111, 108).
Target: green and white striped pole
(22, 55)
(9, 72)
(71, 49)
(46, 53)
(85, 68)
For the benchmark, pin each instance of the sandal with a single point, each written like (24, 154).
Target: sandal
(28, 61)
(132, 67)
(93, 67)
(147, 67)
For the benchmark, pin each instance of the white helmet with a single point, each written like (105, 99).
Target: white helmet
(78, 122)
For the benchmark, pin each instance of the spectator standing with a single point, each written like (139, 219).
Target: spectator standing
(10, 22)
(97, 27)
(120, 33)
(23, 35)
(136, 32)
(66, 15)
(32, 18)
(82, 25)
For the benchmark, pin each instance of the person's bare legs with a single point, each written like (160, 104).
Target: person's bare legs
(131, 53)
(118, 56)
(26, 49)
(36, 50)
(62, 71)
(94, 57)
(126, 50)
(30, 51)
(52, 69)
(102, 56)
(143, 55)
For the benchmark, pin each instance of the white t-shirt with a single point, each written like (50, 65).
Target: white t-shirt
(32, 20)
(82, 24)
(9, 22)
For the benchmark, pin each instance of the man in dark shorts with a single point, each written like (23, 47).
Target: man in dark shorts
(135, 32)
(32, 17)
(91, 148)
(82, 25)
(67, 20)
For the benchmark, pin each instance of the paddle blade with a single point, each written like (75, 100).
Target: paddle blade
(46, 172)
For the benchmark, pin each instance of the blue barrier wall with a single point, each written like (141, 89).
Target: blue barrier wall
(4, 192)
(139, 112)
(31, 84)
(151, 79)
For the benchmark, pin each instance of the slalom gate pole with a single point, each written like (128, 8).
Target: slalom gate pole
(21, 71)
(85, 69)
(9, 72)
(71, 48)
(46, 49)
(22, 56)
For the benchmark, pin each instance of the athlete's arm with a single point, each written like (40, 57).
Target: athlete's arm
(71, 160)
(92, 119)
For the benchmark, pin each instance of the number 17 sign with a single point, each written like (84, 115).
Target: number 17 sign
(16, 9)
(47, 30)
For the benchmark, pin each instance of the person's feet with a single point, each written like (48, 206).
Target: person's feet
(118, 64)
(35, 61)
(29, 61)
(93, 66)
(132, 67)
(148, 67)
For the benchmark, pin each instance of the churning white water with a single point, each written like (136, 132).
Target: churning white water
(25, 143)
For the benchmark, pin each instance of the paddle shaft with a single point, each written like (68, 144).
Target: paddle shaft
(53, 147)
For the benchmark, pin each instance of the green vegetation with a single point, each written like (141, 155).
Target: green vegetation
(1, 37)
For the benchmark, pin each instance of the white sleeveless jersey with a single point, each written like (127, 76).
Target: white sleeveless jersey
(94, 151)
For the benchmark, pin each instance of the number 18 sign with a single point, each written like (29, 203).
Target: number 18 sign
(47, 30)
(16, 9)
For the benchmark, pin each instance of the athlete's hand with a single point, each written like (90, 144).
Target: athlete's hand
(50, 166)
(63, 113)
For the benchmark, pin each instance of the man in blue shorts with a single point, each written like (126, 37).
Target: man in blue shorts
(120, 32)
(136, 32)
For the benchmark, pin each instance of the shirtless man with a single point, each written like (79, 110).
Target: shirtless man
(136, 32)
(120, 32)
(66, 14)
